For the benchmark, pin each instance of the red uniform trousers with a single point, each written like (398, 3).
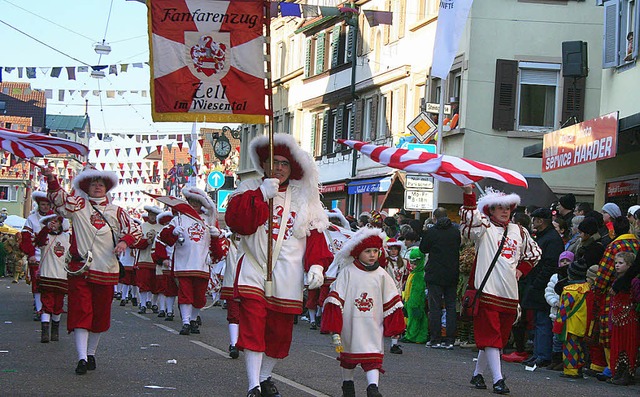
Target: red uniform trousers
(33, 276)
(492, 328)
(52, 301)
(313, 299)
(129, 276)
(89, 305)
(192, 291)
(233, 311)
(264, 330)
(145, 279)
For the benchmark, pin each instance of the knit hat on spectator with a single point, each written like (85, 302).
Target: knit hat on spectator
(542, 213)
(568, 201)
(591, 273)
(565, 255)
(612, 209)
(633, 209)
(588, 226)
(577, 270)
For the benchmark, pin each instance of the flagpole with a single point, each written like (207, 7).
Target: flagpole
(268, 285)
(436, 183)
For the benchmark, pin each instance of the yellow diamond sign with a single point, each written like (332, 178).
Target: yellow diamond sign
(422, 127)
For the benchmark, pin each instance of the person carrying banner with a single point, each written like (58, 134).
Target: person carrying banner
(298, 219)
(101, 232)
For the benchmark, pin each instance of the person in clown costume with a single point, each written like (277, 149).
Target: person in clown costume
(363, 297)
(267, 310)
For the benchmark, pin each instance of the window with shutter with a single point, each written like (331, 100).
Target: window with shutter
(357, 120)
(320, 52)
(335, 46)
(402, 17)
(325, 132)
(611, 45)
(504, 100)
(573, 101)
(349, 49)
(389, 114)
(383, 126)
(314, 129)
(340, 122)
(537, 96)
(307, 61)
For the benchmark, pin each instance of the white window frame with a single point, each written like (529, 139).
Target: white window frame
(381, 131)
(558, 94)
(12, 193)
(366, 121)
(620, 18)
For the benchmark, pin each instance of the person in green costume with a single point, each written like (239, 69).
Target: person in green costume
(414, 300)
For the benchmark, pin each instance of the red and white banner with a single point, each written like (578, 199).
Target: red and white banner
(581, 143)
(207, 60)
(452, 18)
(456, 170)
(27, 145)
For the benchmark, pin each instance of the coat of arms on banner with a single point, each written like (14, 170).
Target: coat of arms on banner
(208, 55)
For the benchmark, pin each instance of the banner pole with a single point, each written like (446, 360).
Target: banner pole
(268, 286)
(436, 183)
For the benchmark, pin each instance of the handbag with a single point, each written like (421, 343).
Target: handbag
(121, 271)
(471, 298)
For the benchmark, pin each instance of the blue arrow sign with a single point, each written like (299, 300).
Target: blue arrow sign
(223, 197)
(215, 179)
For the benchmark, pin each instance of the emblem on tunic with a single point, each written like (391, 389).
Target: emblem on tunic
(363, 303)
(58, 249)
(151, 235)
(208, 56)
(277, 222)
(97, 221)
(509, 249)
(196, 232)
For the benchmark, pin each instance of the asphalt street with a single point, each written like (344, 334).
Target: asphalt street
(144, 355)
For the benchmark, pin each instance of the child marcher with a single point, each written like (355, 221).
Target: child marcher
(398, 270)
(54, 246)
(414, 299)
(363, 297)
(553, 299)
(625, 333)
(574, 319)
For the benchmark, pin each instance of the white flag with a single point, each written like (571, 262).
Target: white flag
(193, 151)
(452, 18)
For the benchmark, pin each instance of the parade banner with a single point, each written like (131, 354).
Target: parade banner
(207, 60)
(581, 143)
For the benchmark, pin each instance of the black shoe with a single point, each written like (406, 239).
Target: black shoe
(542, 363)
(348, 389)
(268, 388)
(199, 321)
(154, 308)
(169, 317)
(162, 313)
(372, 391)
(478, 382)
(233, 352)
(602, 377)
(118, 295)
(81, 369)
(313, 326)
(91, 363)
(530, 361)
(186, 329)
(143, 310)
(395, 349)
(590, 372)
(123, 302)
(255, 392)
(500, 387)
(148, 304)
(134, 302)
(44, 335)
(194, 327)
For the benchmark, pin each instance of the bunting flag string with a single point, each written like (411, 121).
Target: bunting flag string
(72, 71)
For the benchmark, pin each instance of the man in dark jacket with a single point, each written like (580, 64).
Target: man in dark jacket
(442, 243)
(536, 281)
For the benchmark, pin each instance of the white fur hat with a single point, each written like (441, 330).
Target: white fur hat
(164, 217)
(49, 217)
(392, 242)
(337, 214)
(193, 193)
(152, 209)
(366, 237)
(495, 197)
(285, 145)
(38, 196)
(82, 181)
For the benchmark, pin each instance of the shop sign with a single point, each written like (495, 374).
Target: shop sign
(333, 188)
(581, 143)
(418, 200)
(623, 188)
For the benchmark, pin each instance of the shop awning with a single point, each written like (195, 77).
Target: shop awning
(538, 193)
(371, 185)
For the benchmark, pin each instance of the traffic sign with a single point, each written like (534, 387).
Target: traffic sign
(422, 127)
(424, 147)
(419, 182)
(435, 108)
(215, 179)
(223, 199)
(418, 200)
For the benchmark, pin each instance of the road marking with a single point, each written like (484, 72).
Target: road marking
(140, 316)
(324, 355)
(282, 379)
(164, 327)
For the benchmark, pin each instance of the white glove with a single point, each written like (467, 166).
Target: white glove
(178, 230)
(315, 277)
(269, 188)
(214, 232)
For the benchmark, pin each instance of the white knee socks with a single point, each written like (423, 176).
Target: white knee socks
(347, 374)
(81, 337)
(162, 304)
(37, 301)
(56, 317)
(267, 367)
(481, 364)
(373, 377)
(170, 303)
(312, 315)
(125, 291)
(194, 313)
(493, 359)
(45, 318)
(154, 299)
(92, 345)
(185, 312)
(253, 362)
(234, 330)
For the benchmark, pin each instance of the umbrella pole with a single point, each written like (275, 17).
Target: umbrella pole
(268, 286)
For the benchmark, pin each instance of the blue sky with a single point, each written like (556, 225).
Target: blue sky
(73, 27)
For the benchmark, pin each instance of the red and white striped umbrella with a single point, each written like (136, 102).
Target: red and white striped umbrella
(27, 144)
(456, 170)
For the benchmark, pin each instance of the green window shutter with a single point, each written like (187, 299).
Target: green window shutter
(357, 119)
(314, 122)
(307, 61)
(335, 46)
(320, 50)
(340, 124)
(351, 35)
(325, 131)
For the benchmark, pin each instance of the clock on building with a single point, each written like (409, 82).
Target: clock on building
(222, 147)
